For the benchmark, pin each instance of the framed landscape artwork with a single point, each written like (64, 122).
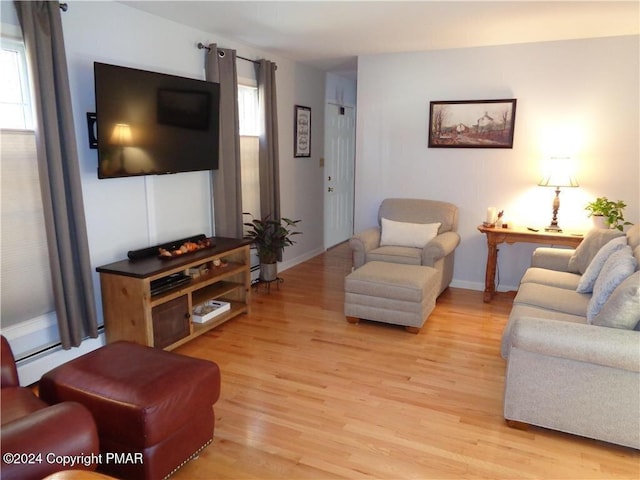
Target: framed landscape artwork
(302, 134)
(472, 123)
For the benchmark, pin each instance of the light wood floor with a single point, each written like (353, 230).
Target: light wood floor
(306, 395)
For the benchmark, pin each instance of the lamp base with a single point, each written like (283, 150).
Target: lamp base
(553, 228)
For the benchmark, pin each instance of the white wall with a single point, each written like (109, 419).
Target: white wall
(341, 90)
(584, 91)
(130, 213)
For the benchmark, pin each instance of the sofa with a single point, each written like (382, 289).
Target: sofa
(572, 340)
(397, 238)
(35, 435)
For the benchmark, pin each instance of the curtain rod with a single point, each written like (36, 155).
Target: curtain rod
(203, 46)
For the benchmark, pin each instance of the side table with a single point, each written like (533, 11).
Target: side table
(496, 236)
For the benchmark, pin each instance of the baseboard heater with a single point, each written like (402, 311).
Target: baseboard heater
(31, 367)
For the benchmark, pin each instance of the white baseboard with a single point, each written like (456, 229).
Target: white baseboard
(31, 369)
(282, 266)
(33, 335)
(467, 285)
(480, 286)
(302, 258)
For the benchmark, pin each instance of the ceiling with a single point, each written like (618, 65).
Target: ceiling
(330, 35)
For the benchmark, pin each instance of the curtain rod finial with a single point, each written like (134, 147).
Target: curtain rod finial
(203, 46)
(64, 7)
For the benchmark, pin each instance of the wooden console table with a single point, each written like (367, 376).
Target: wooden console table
(133, 312)
(515, 235)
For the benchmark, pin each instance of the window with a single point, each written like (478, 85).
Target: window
(15, 100)
(248, 110)
(27, 307)
(249, 143)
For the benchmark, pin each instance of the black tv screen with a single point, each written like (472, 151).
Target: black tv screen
(151, 123)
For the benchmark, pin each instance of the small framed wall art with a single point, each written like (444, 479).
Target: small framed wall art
(472, 123)
(302, 133)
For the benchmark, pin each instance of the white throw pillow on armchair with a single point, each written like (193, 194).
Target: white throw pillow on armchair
(404, 234)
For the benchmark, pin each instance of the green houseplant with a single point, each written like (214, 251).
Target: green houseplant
(270, 237)
(610, 211)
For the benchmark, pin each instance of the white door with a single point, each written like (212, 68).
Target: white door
(339, 149)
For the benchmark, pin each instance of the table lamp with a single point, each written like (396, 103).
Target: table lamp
(557, 180)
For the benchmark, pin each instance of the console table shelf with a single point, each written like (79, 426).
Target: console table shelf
(163, 320)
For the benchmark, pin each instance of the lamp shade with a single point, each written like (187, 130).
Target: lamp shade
(121, 134)
(555, 180)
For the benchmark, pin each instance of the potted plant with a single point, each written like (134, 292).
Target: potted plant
(607, 213)
(270, 237)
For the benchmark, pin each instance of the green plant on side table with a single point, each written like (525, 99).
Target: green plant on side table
(270, 237)
(610, 211)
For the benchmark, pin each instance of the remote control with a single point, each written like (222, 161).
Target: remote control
(532, 229)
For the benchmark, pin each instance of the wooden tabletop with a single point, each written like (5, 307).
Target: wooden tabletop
(522, 234)
(146, 267)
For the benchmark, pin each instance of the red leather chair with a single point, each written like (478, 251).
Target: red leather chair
(37, 437)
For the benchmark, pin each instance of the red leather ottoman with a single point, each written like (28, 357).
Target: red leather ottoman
(153, 409)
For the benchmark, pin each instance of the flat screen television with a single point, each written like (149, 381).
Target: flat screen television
(151, 123)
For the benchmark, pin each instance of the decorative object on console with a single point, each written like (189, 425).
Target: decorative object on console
(184, 248)
(607, 213)
(200, 240)
(211, 308)
(501, 222)
(492, 215)
(557, 180)
(472, 123)
(270, 237)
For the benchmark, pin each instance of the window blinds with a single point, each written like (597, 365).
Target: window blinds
(25, 276)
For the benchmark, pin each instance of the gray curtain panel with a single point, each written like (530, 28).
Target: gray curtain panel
(268, 155)
(220, 66)
(59, 171)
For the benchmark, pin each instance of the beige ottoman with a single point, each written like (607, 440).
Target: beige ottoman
(391, 293)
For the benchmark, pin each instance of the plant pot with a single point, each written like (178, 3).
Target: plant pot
(600, 221)
(268, 272)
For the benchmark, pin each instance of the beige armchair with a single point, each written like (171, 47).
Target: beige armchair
(411, 218)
